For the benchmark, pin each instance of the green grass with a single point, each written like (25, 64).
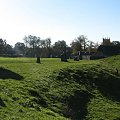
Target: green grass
(55, 90)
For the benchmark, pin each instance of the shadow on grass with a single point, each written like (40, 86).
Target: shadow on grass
(8, 74)
(40, 100)
(109, 85)
(106, 82)
(2, 104)
(77, 105)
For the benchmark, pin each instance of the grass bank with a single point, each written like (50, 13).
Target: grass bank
(56, 90)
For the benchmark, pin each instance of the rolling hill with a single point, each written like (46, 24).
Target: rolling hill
(54, 90)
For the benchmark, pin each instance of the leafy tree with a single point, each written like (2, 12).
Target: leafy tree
(2, 46)
(19, 48)
(91, 46)
(9, 50)
(59, 47)
(79, 43)
(32, 44)
(5, 49)
(37, 47)
(26, 41)
(76, 46)
(48, 49)
(42, 44)
(48, 42)
(83, 41)
(33, 41)
(116, 43)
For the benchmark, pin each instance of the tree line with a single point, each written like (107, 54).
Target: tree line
(33, 46)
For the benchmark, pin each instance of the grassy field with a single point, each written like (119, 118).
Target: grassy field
(54, 90)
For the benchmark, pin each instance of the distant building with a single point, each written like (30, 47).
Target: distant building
(106, 49)
(106, 41)
(109, 50)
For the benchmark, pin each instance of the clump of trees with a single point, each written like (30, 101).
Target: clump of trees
(33, 46)
(5, 49)
(19, 48)
(81, 43)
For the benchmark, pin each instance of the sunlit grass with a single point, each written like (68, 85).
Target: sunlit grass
(55, 90)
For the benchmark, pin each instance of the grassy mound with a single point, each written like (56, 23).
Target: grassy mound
(97, 82)
(56, 90)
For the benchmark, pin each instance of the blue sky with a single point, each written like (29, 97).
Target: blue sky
(59, 19)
